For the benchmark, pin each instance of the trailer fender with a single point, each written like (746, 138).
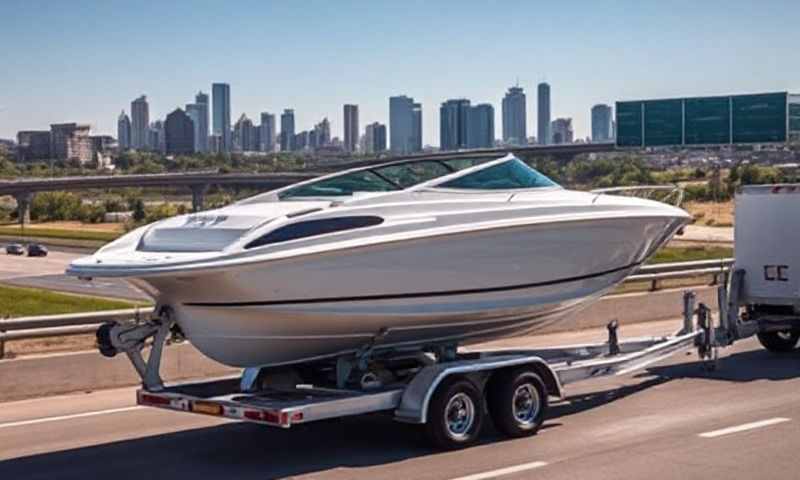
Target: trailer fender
(417, 395)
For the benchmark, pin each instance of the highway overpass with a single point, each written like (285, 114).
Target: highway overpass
(23, 190)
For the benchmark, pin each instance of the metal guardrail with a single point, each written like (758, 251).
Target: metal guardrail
(85, 323)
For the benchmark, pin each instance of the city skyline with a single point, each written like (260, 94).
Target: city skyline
(43, 85)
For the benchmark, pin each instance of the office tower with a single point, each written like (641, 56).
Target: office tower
(179, 133)
(287, 130)
(33, 145)
(243, 140)
(124, 131)
(140, 122)
(601, 123)
(375, 138)
(195, 112)
(321, 134)
(221, 96)
(267, 134)
(543, 114)
(350, 128)
(480, 126)
(70, 141)
(156, 137)
(201, 130)
(453, 124)
(515, 127)
(405, 125)
(562, 131)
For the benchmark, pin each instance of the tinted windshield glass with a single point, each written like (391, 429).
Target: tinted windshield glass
(507, 175)
(409, 174)
(345, 185)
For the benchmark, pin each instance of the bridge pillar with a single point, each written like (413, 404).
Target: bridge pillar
(198, 196)
(24, 200)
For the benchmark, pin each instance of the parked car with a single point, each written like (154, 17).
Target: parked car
(15, 249)
(37, 250)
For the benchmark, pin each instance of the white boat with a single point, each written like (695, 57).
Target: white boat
(420, 252)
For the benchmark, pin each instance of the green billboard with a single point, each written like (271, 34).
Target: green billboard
(707, 120)
(758, 118)
(629, 124)
(663, 122)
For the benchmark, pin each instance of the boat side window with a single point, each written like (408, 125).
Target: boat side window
(343, 185)
(312, 228)
(461, 163)
(409, 174)
(503, 176)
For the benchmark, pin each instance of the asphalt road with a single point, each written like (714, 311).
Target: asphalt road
(675, 420)
(48, 273)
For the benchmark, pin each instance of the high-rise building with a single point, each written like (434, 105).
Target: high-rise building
(201, 130)
(562, 131)
(156, 137)
(321, 134)
(405, 125)
(287, 130)
(195, 112)
(124, 131)
(243, 138)
(480, 126)
(71, 141)
(267, 135)
(221, 96)
(375, 138)
(350, 128)
(179, 133)
(33, 145)
(140, 122)
(515, 128)
(601, 123)
(543, 131)
(453, 124)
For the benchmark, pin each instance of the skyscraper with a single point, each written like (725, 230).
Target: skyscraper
(543, 114)
(221, 96)
(562, 131)
(515, 128)
(375, 138)
(140, 121)
(405, 125)
(601, 123)
(287, 130)
(243, 135)
(201, 135)
(453, 124)
(350, 128)
(321, 135)
(267, 136)
(194, 111)
(124, 131)
(179, 133)
(480, 126)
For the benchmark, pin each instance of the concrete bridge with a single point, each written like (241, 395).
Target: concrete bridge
(23, 190)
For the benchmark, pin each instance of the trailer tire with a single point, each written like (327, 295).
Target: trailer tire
(781, 341)
(455, 414)
(517, 401)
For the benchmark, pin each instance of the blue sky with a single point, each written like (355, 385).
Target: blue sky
(86, 60)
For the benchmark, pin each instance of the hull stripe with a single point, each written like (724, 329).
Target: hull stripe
(398, 296)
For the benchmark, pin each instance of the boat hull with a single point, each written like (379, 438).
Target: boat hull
(464, 288)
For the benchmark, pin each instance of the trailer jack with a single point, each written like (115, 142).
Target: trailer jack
(131, 338)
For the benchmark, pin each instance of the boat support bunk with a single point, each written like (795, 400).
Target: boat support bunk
(445, 390)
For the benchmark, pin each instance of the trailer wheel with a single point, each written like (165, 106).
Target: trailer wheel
(455, 414)
(517, 402)
(781, 341)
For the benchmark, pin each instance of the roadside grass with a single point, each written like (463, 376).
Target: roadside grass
(37, 232)
(23, 302)
(691, 253)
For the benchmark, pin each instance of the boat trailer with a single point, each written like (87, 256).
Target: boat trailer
(445, 389)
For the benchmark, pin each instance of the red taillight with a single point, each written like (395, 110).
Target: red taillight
(262, 416)
(153, 399)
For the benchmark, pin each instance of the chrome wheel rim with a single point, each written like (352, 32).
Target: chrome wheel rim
(525, 404)
(459, 416)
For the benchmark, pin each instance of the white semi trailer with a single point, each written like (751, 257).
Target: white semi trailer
(763, 297)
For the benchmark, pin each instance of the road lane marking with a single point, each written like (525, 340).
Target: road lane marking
(503, 471)
(744, 427)
(67, 417)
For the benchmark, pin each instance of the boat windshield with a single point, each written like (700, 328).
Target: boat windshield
(509, 175)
